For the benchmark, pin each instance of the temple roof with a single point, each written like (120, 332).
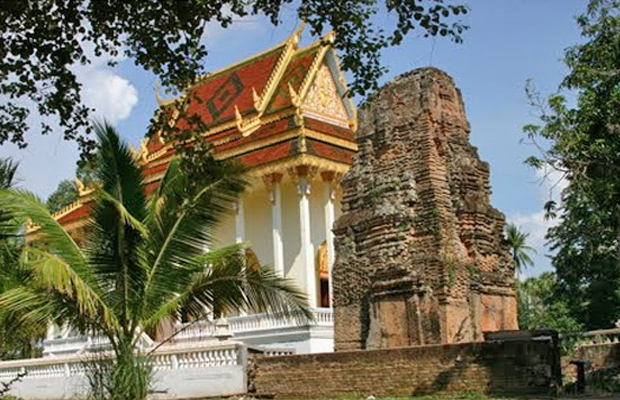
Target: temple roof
(285, 106)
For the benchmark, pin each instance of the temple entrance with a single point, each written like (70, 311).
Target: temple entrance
(322, 265)
(324, 288)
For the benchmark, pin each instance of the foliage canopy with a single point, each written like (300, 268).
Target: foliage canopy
(583, 145)
(44, 40)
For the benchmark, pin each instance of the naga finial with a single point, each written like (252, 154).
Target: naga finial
(160, 100)
(256, 98)
(79, 185)
(296, 36)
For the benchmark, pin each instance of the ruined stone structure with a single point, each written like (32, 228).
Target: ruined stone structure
(420, 253)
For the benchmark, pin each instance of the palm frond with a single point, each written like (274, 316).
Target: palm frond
(227, 282)
(125, 216)
(26, 206)
(114, 244)
(519, 249)
(8, 171)
(181, 222)
(51, 274)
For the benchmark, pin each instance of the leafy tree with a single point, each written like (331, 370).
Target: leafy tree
(43, 40)
(144, 261)
(65, 194)
(519, 248)
(581, 141)
(540, 307)
(14, 343)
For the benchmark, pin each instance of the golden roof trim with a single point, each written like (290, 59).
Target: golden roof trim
(220, 128)
(201, 78)
(323, 137)
(304, 159)
(280, 68)
(32, 227)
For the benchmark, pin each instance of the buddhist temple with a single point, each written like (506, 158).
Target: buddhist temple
(422, 255)
(284, 114)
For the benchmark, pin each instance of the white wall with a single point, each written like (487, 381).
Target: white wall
(195, 371)
(291, 235)
(257, 216)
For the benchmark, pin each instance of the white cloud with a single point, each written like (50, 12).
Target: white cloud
(551, 183)
(112, 97)
(536, 225)
(49, 159)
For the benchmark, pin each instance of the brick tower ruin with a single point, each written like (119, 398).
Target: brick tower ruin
(420, 253)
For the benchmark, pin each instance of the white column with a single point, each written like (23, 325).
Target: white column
(306, 245)
(239, 223)
(273, 185)
(328, 207)
(239, 232)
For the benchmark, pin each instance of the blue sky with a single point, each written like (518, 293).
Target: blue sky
(509, 41)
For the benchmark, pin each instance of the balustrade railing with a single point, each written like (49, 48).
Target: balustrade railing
(602, 336)
(82, 344)
(195, 331)
(205, 356)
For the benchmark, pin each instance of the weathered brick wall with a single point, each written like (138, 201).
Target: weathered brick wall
(421, 256)
(517, 367)
(599, 356)
(605, 355)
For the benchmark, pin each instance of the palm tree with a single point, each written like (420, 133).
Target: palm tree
(519, 249)
(14, 343)
(144, 261)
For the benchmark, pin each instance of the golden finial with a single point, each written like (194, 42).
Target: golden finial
(330, 36)
(238, 117)
(256, 98)
(294, 96)
(144, 150)
(160, 101)
(79, 185)
(296, 36)
(158, 97)
(134, 152)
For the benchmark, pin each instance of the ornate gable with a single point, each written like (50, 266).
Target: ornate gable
(323, 101)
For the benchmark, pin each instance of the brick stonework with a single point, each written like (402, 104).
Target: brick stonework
(521, 366)
(420, 252)
(600, 356)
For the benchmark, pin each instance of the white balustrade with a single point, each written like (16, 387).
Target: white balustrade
(211, 355)
(194, 332)
(82, 344)
(204, 330)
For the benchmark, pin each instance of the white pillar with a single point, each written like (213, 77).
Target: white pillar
(306, 245)
(239, 223)
(239, 231)
(328, 206)
(273, 185)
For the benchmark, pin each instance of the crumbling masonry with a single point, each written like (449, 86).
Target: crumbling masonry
(420, 253)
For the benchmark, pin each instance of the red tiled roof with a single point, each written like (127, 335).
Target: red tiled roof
(82, 211)
(295, 74)
(329, 151)
(333, 130)
(268, 154)
(264, 132)
(214, 98)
